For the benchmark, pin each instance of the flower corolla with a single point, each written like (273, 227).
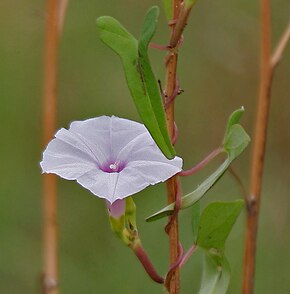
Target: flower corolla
(110, 156)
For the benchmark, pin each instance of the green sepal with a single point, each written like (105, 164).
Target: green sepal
(125, 226)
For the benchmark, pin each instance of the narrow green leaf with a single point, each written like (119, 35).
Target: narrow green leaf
(235, 142)
(167, 4)
(193, 197)
(139, 76)
(216, 274)
(216, 222)
(195, 216)
(150, 82)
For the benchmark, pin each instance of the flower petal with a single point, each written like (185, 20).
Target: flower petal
(116, 209)
(67, 158)
(101, 184)
(110, 134)
(153, 172)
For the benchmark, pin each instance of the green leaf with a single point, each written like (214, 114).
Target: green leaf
(234, 119)
(216, 223)
(236, 140)
(216, 274)
(140, 78)
(150, 82)
(168, 8)
(195, 216)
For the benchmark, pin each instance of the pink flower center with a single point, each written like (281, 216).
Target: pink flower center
(113, 167)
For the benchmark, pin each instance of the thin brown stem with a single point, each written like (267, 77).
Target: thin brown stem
(180, 25)
(171, 66)
(267, 66)
(50, 229)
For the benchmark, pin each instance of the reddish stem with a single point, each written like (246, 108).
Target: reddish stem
(187, 255)
(177, 206)
(174, 267)
(173, 95)
(202, 164)
(147, 264)
(171, 66)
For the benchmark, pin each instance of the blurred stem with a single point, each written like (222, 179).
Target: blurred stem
(62, 12)
(50, 230)
(267, 66)
(278, 53)
(171, 66)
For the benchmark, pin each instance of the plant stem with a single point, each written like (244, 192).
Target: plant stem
(145, 261)
(201, 164)
(278, 53)
(171, 66)
(50, 230)
(267, 66)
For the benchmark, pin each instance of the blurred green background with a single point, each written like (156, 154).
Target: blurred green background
(218, 69)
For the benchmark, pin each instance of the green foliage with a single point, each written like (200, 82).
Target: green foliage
(139, 75)
(216, 274)
(235, 141)
(216, 222)
(234, 118)
(195, 217)
(168, 8)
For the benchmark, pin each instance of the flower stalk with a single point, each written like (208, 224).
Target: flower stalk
(141, 254)
(123, 224)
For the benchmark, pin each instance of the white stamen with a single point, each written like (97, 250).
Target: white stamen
(113, 166)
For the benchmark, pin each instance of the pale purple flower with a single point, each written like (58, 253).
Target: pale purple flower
(110, 156)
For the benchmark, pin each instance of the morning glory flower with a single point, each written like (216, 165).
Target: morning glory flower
(110, 156)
